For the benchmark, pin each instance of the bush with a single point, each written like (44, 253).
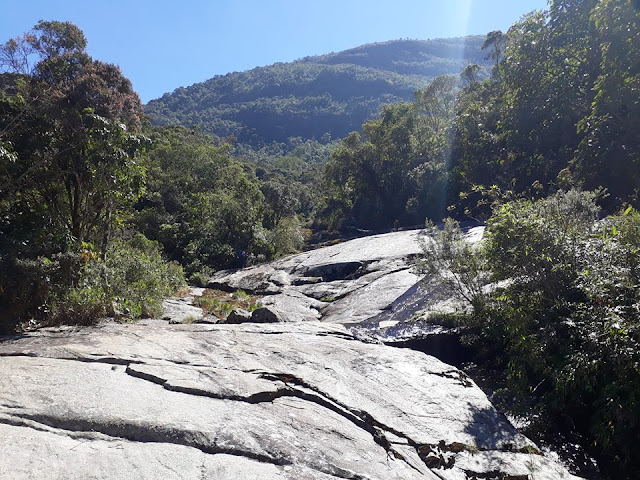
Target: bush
(456, 263)
(562, 322)
(138, 279)
(199, 279)
(80, 287)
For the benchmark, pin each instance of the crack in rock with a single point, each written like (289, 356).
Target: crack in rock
(284, 389)
(457, 375)
(433, 456)
(140, 432)
(360, 418)
(259, 397)
(92, 430)
(292, 386)
(105, 360)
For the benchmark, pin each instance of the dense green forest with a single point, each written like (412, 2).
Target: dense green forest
(93, 199)
(104, 214)
(321, 98)
(561, 109)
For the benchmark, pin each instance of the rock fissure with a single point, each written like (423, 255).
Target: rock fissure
(105, 360)
(260, 397)
(142, 433)
(300, 390)
(344, 336)
(494, 475)
(291, 399)
(360, 418)
(137, 433)
(432, 455)
(457, 375)
(355, 289)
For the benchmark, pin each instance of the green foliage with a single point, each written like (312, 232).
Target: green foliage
(609, 148)
(198, 279)
(199, 203)
(562, 316)
(331, 94)
(76, 154)
(560, 109)
(80, 287)
(398, 171)
(286, 237)
(138, 278)
(453, 261)
(208, 210)
(72, 163)
(221, 304)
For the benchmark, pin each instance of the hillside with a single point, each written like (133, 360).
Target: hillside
(315, 96)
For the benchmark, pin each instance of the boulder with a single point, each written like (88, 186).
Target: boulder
(266, 315)
(251, 401)
(180, 310)
(238, 315)
(291, 306)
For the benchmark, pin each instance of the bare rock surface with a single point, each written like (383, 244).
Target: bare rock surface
(181, 309)
(344, 283)
(364, 279)
(268, 401)
(300, 398)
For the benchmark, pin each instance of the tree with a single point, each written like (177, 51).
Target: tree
(495, 42)
(609, 151)
(470, 74)
(71, 166)
(199, 203)
(74, 128)
(399, 170)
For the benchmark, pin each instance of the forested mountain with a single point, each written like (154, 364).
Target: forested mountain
(318, 97)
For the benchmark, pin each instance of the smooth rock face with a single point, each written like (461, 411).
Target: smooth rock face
(298, 399)
(348, 283)
(251, 401)
(179, 311)
(182, 310)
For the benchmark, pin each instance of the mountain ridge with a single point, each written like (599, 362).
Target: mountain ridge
(323, 96)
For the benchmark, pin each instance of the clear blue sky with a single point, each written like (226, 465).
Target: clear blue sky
(161, 45)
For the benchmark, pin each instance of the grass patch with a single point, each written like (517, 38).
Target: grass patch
(221, 304)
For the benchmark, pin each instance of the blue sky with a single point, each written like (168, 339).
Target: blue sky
(161, 45)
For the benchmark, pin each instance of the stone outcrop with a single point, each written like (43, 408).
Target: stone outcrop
(355, 282)
(299, 400)
(236, 316)
(182, 310)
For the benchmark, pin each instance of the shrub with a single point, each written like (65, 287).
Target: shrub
(137, 277)
(456, 263)
(562, 322)
(199, 279)
(80, 287)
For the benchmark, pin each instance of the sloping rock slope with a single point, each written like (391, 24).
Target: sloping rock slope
(347, 283)
(277, 401)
